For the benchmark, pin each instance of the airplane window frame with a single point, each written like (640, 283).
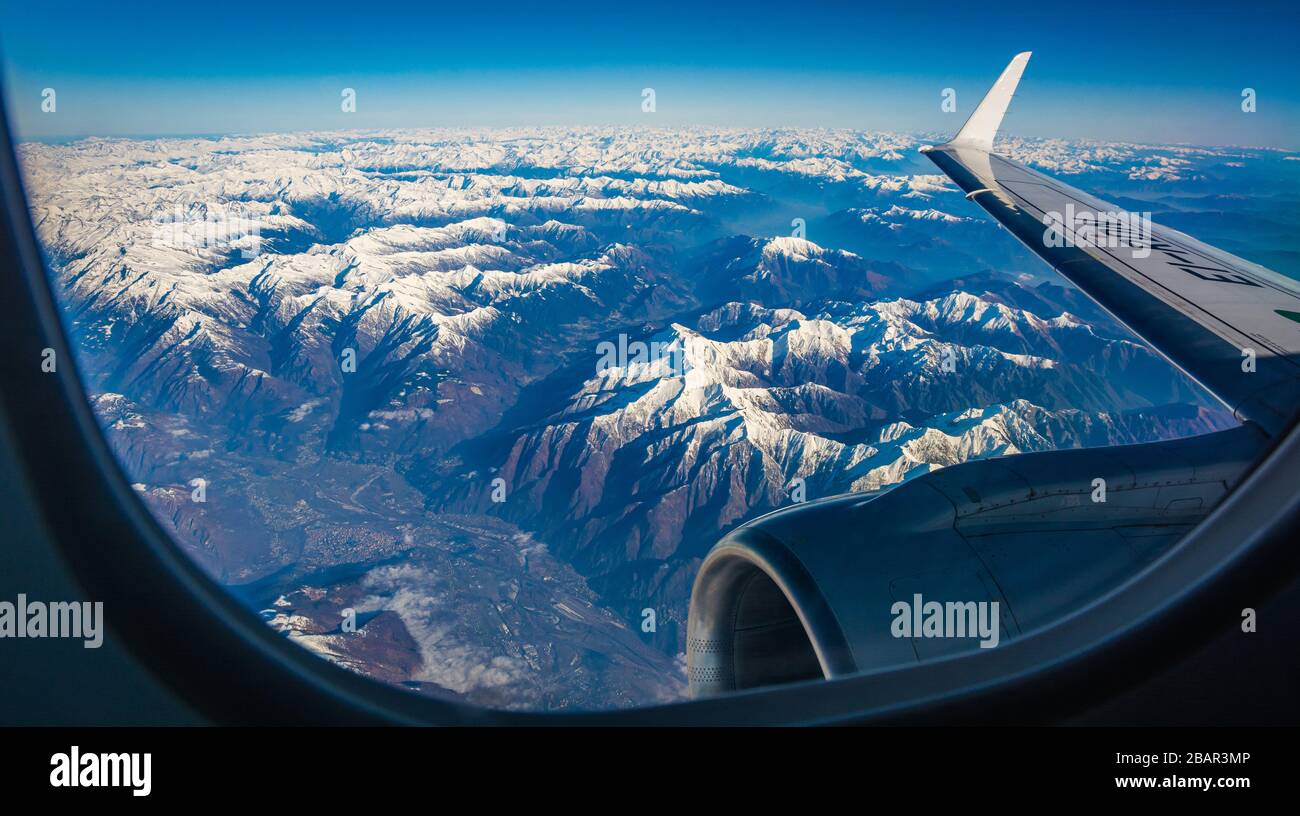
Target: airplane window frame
(218, 654)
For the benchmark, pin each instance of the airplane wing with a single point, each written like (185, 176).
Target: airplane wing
(1231, 325)
(803, 592)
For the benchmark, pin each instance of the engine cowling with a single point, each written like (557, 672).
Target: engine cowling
(808, 591)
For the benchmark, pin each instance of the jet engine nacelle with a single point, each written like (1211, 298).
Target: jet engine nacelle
(810, 591)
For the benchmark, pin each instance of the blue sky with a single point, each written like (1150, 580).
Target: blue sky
(1102, 70)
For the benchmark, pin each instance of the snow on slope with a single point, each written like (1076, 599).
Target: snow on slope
(472, 274)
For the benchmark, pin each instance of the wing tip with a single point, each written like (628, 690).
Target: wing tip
(982, 126)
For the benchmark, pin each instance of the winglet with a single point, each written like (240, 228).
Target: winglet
(983, 124)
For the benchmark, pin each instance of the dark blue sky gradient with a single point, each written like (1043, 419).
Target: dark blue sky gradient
(1134, 71)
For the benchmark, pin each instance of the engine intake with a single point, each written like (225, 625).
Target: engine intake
(806, 592)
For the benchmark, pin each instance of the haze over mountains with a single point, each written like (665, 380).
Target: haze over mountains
(392, 387)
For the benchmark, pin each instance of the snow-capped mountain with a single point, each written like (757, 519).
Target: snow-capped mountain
(643, 464)
(499, 390)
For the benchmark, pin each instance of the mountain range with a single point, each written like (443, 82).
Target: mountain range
(382, 356)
